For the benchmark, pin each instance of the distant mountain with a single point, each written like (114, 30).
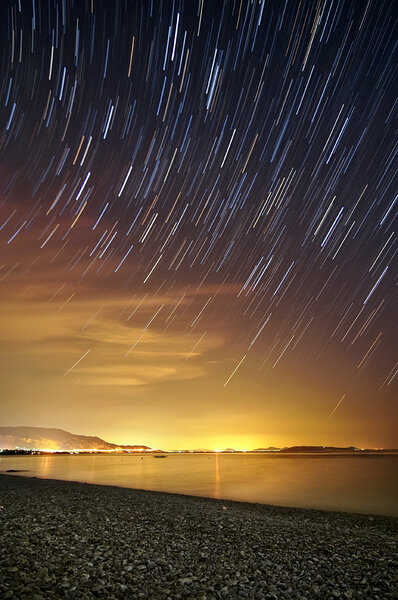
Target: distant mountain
(299, 449)
(45, 438)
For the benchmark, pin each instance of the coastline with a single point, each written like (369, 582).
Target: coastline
(63, 539)
(328, 486)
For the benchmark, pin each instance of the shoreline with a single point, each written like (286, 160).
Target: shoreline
(360, 454)
(21, 473)
(64, 539)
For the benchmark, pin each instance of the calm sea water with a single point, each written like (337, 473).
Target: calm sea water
(365, 484)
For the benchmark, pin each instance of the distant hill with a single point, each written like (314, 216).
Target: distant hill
(45, 438)
(53, 439)
(299, 449)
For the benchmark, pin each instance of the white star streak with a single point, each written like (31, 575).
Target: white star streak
(234, 371)
(77, 362)
(336, 407)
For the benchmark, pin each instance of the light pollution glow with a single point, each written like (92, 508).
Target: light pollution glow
(161, 394)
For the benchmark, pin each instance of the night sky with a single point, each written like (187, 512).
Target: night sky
(197, 205)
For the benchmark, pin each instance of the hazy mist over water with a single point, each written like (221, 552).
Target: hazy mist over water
(362, 484)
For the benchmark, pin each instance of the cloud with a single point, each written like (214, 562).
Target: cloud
(122, 353)
(136, 375)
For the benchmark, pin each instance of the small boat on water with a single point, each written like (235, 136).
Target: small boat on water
(160, 456)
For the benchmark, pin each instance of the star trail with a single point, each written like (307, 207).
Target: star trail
(197, 206)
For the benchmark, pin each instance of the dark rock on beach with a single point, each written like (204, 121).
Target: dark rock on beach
(16, 471)
(71, 540)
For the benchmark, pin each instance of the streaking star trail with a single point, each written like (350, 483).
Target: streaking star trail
(203, 181)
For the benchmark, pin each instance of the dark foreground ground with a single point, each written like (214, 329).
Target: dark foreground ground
(71, 540)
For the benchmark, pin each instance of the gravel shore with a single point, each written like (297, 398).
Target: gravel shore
(61, 539)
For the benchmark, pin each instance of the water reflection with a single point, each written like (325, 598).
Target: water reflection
(45, 466)
(217, 478)
(355, 483)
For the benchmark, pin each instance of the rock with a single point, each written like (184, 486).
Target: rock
(56, 543)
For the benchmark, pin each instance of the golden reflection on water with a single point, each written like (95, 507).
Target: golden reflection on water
(45, 467)
(356, 484)
(217, 479)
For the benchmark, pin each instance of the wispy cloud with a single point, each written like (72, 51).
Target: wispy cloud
(122, 353)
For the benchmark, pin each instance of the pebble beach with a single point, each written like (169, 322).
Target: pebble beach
(62, 539)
